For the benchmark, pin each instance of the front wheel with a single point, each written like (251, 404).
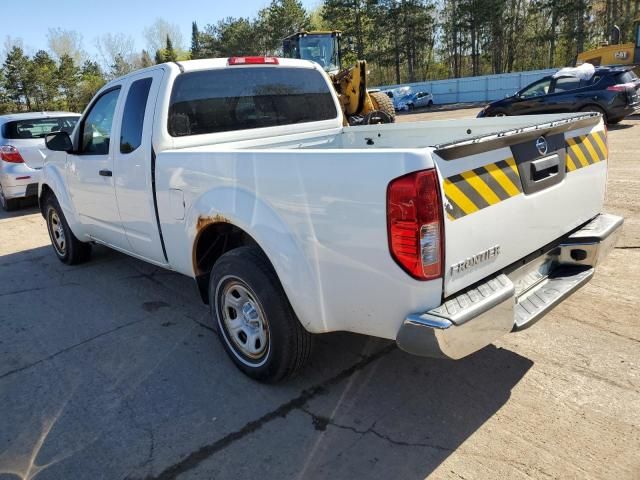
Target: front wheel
(256, 324)
(66, 246)
(383, 103)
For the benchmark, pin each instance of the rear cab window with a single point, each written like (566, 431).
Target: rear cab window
(242, 98)
(38, 127)
(133, 115)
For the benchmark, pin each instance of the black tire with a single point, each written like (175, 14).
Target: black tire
(615, 121)
(596, 109)
(244, 288)
(382, 102)
(430, 104)
(8, 204)
(66, 246)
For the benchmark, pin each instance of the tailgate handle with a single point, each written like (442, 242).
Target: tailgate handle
(545, 168)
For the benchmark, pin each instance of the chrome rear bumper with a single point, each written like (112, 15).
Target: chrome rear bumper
(514, 299)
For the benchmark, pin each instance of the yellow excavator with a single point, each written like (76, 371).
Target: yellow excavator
(615, 53)
(360, 106)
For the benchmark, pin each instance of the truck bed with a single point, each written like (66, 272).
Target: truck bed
(321, 197)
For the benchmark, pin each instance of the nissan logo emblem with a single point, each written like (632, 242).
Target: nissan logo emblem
(542, 145)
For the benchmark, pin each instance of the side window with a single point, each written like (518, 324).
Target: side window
(539, 88)
(564, 84)
(133, 116)
(96, 127)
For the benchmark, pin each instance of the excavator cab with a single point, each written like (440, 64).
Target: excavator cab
(360, 107)
(320, 47)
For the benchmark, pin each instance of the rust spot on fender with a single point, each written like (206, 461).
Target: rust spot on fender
(203, 221)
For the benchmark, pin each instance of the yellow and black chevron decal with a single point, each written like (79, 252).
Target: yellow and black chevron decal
(586, 150)
(481, 187)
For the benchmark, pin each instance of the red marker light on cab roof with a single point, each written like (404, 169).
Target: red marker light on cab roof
(252, 61)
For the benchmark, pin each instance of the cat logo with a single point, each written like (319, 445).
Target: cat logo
(621, 55)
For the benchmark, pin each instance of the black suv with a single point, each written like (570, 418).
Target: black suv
(612, 91)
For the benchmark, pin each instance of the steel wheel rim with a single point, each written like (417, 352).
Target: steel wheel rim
(56, 230)
(245, 325)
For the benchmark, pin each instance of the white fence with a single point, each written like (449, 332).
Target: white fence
(475, 89)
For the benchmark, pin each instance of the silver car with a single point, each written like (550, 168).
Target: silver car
(22, 151)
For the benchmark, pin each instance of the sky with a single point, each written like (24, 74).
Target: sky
(30, 20)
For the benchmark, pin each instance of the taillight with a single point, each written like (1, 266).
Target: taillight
(252, 61)
(620, 87)
(414, 223)
(10, 154)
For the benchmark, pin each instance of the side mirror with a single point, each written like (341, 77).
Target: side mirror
(59, 142)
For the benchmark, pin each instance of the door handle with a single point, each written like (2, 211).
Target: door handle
(105, 173)
(545, 168)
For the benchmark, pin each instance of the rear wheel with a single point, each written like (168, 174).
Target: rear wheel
(67, 247)
(596, 109)
(498, 113)
(256, 324)
(8, 204)
(383, 103)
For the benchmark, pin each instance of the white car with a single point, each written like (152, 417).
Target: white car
(22, 151)
(415, 100)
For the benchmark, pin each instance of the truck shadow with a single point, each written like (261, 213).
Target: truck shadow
(119, 379)
(400, 417)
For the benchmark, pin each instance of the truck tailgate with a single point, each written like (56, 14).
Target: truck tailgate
(509, 194)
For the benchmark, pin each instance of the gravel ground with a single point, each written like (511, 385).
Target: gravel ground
(111, 370)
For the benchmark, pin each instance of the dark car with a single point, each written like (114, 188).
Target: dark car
(612, 91)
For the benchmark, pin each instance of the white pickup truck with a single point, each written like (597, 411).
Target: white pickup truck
(239, 173)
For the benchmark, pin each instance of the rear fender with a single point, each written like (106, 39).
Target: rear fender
(284, 250)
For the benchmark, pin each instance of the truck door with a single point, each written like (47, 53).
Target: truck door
(132, 169)
(90, 172)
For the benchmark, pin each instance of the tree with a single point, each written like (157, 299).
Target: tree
(66, 42)
(196, 47)
(231, 36)
(279, 20)
(156, 35)
(145, 59)
(354, 18)
(17, 78)
(116, 49)
(170, 54)
(42, 75)
(91, 80)
(68, 79)
(120, 67)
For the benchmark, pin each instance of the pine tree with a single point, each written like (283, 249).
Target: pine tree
(196, 47)
(159, 56)
(16, 77)
(145, 59)
(170, 54)
(68, 79)
(43, 76)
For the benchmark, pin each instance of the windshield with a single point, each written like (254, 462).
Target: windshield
(38, 127)
(320, 49)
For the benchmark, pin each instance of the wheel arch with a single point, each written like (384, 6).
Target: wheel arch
(240, 219)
